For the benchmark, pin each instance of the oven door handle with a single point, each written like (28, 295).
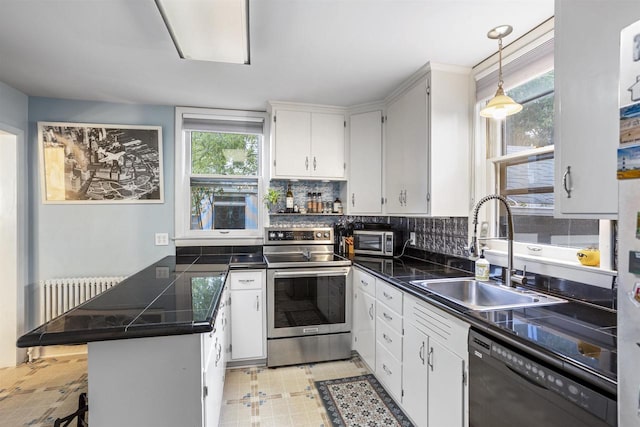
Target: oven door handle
(321, 272)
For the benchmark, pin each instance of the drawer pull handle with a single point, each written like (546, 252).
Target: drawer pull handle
(364, 283)
(421, 352)
(384, 367)
(371, 311)
(386, 316)
(246, 280)
(387, 296)
(386, 338)
(430, 358)
(257, 303)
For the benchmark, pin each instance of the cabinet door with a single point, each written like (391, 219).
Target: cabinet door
(415, 161)
(365, 164)
(365, 327)
(213, 375)
(327, 145)
(446, 387)
(586, 105)
(414, 375)
(394, 176)
(247, 340)
(292, 143)
(407, 166)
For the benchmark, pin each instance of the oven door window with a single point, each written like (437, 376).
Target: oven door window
(309, 301)
(369, 242)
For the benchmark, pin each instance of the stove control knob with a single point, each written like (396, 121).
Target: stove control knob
(326, 234)
(318, 235)
(272, 235)
(573, 389)
(280, 235)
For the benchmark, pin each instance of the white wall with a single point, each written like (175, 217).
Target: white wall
(13, 222)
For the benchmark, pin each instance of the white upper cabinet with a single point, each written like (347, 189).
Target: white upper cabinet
(450, 141)
(365, 160)
(427, 144)
(308, 141)
(586, 105)
(406, 152)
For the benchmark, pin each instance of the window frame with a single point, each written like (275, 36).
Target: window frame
(184, 235)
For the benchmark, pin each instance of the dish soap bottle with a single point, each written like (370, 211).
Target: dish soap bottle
(482, 268)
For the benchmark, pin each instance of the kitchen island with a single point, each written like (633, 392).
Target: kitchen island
(172, 373)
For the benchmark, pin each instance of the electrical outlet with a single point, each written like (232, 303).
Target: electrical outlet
(162, 239)
(412, 238)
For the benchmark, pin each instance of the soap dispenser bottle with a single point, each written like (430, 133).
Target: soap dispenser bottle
(482, 268)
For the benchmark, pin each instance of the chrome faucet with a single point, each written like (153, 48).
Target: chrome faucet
(510, 278)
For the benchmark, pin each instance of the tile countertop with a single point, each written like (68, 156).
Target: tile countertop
(575, 337)
(176, 295)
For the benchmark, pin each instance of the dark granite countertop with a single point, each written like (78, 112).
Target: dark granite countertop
(176, 295)
(576, 337)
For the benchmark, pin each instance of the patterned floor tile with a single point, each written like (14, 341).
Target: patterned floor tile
(36, 394)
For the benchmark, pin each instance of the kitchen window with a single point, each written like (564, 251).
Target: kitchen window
(219, 174)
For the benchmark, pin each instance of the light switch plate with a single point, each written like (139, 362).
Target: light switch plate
(162, 239)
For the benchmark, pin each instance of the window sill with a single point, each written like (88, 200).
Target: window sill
(554, 267)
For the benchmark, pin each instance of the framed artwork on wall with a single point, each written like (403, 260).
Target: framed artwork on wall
(100, 163)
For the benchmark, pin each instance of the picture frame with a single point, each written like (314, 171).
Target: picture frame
(85, 163)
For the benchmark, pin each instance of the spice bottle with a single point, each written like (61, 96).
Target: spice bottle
(309, 203)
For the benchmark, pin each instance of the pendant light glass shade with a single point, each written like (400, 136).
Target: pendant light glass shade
(500, 106)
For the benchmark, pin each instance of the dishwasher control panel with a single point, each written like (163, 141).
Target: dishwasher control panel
(540, 375)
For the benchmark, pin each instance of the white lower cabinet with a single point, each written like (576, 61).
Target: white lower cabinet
(415, 368)
(248, 315)
(214, 371)
(364, 317)
(435, 366)
(418, 352)
(389, 338)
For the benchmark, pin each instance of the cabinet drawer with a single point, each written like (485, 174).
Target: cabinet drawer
(246, 280)
(390, 339)
(389, 371)
(364, 281)
(388, 317)
(390, 295)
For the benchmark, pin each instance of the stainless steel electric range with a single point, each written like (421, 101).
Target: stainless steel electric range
(308, 297)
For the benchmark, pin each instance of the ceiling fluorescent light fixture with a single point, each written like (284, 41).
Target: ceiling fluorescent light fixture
(500, 106)
(208, 30)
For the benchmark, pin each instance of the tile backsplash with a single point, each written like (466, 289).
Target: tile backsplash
(447, 235)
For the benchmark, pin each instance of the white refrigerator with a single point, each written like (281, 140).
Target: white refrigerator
(628, 172)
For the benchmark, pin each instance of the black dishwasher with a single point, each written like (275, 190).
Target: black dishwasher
(507, 388)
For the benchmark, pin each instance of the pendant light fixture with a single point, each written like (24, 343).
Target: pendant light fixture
(500, 105)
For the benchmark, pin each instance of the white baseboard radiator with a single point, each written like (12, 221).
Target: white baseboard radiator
(60, 295)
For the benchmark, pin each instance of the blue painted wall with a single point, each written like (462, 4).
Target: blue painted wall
(80, 240)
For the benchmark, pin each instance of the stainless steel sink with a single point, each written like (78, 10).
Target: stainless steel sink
(485, 296)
